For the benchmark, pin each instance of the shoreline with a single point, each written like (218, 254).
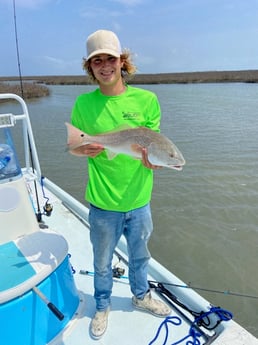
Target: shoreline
(245, 76)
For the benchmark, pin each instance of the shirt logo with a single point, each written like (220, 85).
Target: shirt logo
(131, 115)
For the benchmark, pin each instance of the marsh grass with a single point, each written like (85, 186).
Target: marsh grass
(30, 90)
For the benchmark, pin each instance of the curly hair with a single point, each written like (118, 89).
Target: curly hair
(127, 71)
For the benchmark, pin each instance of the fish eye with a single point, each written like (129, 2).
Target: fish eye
(171, 155)
(82, 135)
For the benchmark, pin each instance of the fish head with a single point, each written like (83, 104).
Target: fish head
(166, 154)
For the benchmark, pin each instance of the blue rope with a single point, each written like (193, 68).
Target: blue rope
(224, 315)
(193, 334)
(174, 320)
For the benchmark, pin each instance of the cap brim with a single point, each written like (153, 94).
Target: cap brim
(104, 51)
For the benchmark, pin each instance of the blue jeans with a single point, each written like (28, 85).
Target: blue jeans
(106, 228)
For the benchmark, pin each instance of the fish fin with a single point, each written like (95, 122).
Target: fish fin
(110, 154)
(122, 127)
(119, 128)
(137, 148)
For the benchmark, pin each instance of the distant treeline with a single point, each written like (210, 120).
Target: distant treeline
(248, 76)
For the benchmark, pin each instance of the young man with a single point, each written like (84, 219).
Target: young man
(118, 190)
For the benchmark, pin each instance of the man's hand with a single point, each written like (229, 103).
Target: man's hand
(91, 150)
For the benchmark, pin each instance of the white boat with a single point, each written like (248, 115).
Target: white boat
(46, 286)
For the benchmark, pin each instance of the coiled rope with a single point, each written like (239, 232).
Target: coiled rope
(193, 334)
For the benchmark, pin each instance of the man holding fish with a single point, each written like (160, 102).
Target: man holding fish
(120, 165)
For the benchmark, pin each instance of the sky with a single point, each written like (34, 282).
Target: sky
(164, 36)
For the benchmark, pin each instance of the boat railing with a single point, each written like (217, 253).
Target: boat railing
(30, 152)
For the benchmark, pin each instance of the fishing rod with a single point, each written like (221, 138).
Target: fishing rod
(48, 207)
(183, 286)
(17, 47)
(189, 286)
(225, 292)
(38, 213)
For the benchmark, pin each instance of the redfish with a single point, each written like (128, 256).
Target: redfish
(161, 150)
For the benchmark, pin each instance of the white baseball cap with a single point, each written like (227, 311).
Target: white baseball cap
(103, 42)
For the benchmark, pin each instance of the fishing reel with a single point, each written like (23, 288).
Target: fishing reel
(118, 272)
(48, 208)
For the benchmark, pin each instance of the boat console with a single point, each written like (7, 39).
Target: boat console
(36, 276)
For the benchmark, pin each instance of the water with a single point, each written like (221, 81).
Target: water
(205, 217)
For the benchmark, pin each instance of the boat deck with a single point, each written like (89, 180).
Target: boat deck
(126, 325)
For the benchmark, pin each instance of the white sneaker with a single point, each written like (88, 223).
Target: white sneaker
(99, 323)
(151, 305)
